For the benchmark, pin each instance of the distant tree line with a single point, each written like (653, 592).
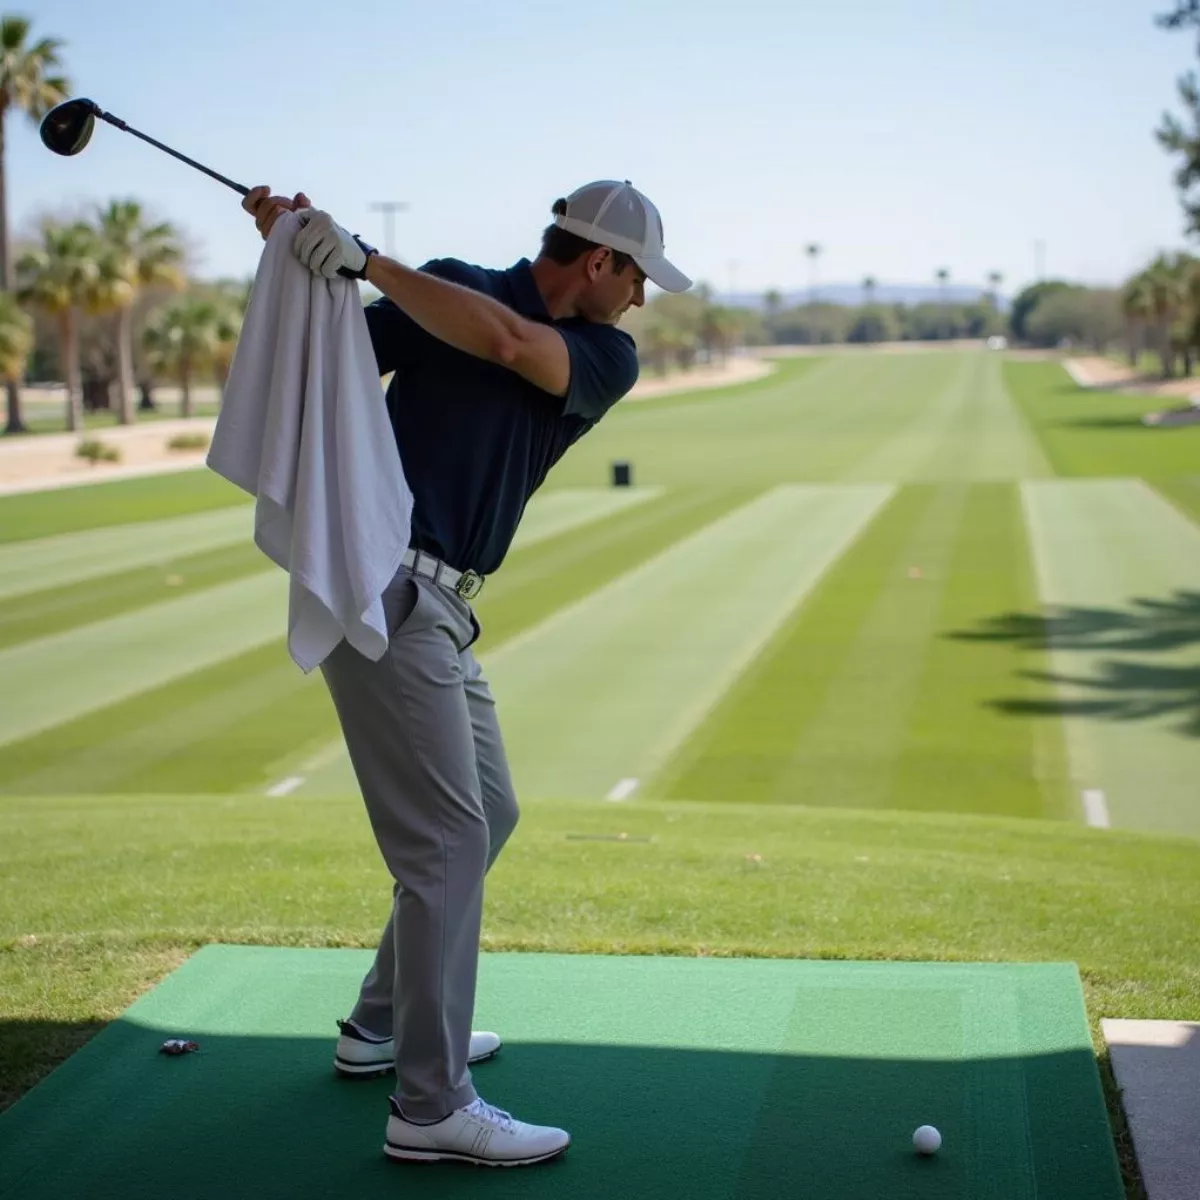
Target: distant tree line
(674, 332)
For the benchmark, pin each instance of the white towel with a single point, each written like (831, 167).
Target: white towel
(303, 427)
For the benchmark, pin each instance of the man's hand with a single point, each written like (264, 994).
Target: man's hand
(324, 247)
(265, 208)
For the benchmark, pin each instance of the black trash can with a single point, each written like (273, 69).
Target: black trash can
(622, 474)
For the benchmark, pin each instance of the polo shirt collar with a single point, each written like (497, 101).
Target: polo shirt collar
(525, 291)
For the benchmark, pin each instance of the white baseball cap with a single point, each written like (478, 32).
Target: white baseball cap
(618, 216)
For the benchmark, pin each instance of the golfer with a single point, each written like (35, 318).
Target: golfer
(495, 373)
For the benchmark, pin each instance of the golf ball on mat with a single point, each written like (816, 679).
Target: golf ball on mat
(927, 1139)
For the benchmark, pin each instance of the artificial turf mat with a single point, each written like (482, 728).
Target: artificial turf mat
(676, 1077)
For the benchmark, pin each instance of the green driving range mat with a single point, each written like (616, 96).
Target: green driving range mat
(687, 1077)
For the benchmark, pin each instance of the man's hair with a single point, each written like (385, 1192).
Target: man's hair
(564, 247)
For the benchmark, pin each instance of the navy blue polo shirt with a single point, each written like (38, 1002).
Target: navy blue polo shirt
(477, 439)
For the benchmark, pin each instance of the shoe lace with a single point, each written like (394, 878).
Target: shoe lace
(480, 1109)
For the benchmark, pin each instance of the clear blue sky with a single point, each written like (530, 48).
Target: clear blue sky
(902, 135)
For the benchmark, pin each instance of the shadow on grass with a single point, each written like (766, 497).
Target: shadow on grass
(1128, 421)
(30, 1050)
(1121, 688)
(265, 1117)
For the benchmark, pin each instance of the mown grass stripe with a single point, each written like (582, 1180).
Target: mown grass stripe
(1098, 433)
(1000, 437)
(959, 752)
(825, 716)
(52, 562)
(917, 420)
(537, 581)
(851, 743)
(119, 502)
(964, 427)
(1183, 491)
(1119, 571)
(795, 425)
(41, 614)
(534, 584)
(552, 513)
(60, 677)
(817, 720)
(987, 437)
(605, 689)
(822, 425)
(207, 731)
(269, 719)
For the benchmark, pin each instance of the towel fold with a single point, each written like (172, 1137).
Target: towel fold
(303, 428)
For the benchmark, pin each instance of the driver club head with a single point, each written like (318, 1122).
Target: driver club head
(67, 128)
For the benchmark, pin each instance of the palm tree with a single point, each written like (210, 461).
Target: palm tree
(942, 274)
(1166, 300)
(994, 280)
(773, 303)
(184, 338)
(813, 250)
(232, 300)
(27, 83)
(1137, 303)
(868, 287)
(138, 255)
(16, 337)
(660, 344)
(717, 332)
(61, 276)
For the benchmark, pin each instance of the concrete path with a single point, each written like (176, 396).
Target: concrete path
(40, 461)
(1157, 1066)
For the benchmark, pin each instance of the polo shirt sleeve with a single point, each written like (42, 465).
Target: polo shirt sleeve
(604, 366)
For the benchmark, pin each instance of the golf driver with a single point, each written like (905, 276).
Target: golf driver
(67, 129)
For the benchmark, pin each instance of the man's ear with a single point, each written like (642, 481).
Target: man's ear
(596, 262)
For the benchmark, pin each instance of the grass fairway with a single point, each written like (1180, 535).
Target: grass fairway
(857, 654)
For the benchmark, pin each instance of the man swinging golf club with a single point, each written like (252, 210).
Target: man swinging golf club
(496, 374)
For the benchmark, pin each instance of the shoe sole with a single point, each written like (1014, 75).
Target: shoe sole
(402, 1154)
(351, 1070)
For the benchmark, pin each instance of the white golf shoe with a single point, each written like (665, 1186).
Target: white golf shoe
(478, 1134)
(362, 1055)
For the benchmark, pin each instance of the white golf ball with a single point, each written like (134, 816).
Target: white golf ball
(927, 1139)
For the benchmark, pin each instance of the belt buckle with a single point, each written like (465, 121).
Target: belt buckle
(469, 585)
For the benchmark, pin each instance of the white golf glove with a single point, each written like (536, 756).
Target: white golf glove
(325, 248)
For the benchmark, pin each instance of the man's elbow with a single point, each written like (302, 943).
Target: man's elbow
(533, 356)
(505, 347)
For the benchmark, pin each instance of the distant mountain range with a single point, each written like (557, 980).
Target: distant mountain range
(851, 294)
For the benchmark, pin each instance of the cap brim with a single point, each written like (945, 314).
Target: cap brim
(663, 274)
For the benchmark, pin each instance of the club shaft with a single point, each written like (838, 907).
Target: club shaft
(191, 162)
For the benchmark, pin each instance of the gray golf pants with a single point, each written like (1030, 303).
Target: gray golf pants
(421, 730)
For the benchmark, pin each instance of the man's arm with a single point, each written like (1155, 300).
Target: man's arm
(476, 324)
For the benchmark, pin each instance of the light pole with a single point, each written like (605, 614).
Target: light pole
(389, 208)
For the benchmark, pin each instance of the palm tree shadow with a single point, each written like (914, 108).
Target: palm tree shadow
(1122, 688)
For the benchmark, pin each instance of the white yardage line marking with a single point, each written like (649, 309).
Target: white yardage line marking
(1096, 808)
(623, 790)
(286, 786)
